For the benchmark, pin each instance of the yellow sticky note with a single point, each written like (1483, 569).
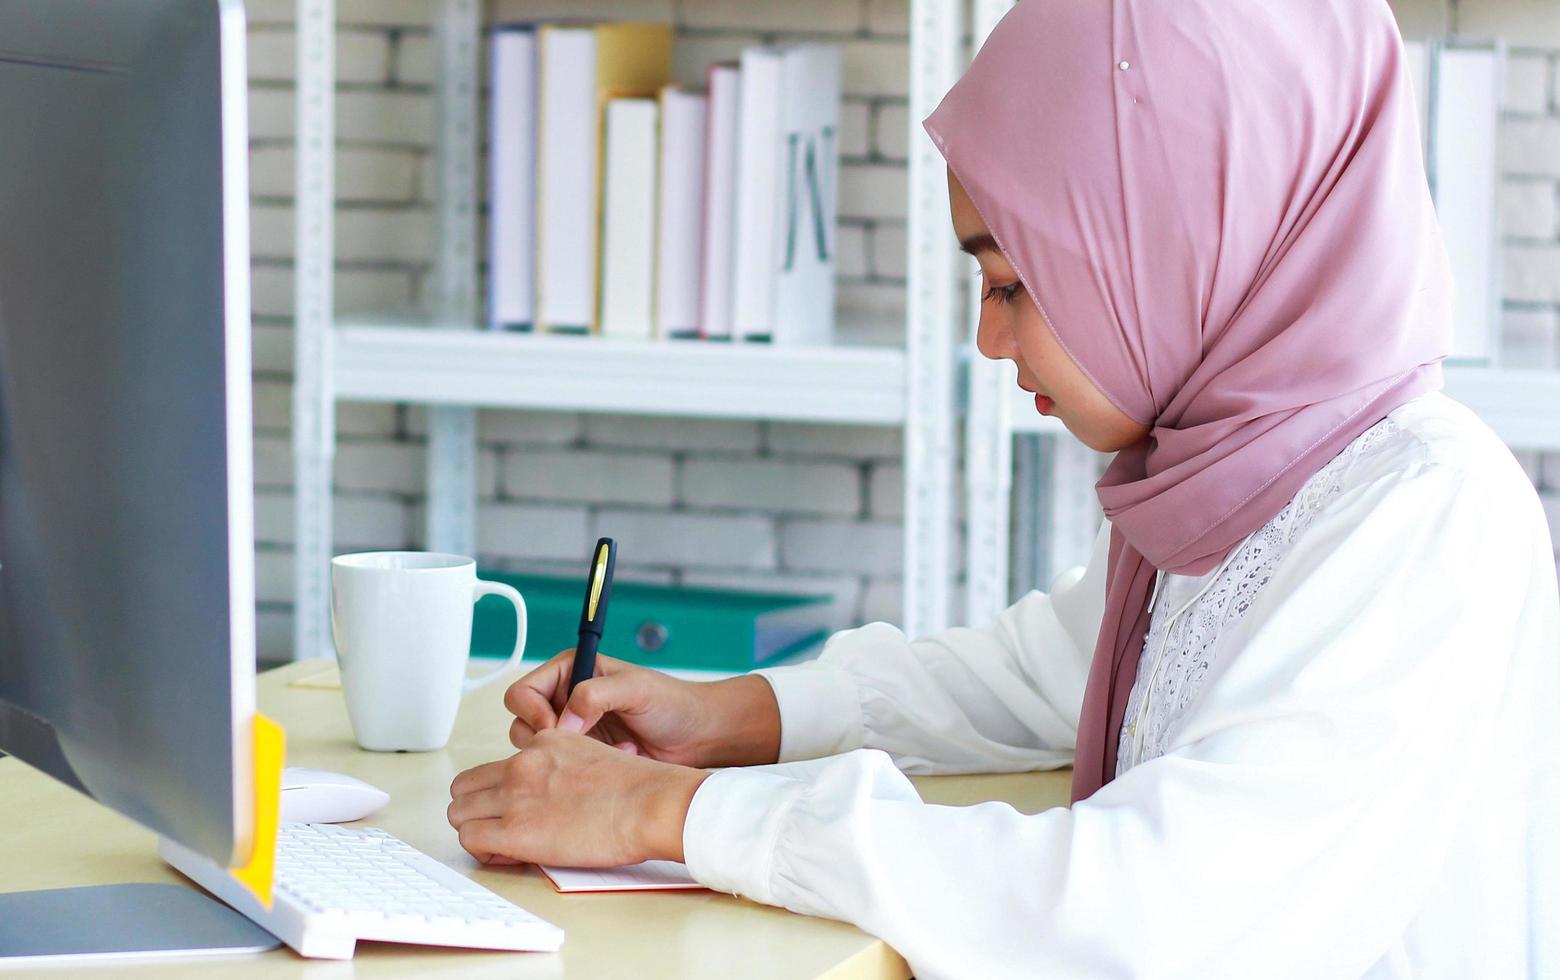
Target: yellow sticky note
(270, 751)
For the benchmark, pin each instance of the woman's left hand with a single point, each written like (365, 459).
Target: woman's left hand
(573, 801)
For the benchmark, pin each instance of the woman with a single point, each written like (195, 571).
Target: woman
(1304, 676)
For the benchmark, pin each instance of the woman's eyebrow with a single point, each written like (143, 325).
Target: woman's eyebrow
(978, 243)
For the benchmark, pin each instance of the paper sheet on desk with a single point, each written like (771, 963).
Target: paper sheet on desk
(649, 876)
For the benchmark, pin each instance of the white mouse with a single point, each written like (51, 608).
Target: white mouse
(317, 796)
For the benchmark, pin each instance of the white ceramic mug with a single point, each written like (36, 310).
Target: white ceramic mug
(402, 625)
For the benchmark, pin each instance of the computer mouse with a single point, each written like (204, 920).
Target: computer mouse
(318, 796)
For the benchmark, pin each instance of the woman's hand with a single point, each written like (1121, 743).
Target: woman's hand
(572, 801)
(734, 722)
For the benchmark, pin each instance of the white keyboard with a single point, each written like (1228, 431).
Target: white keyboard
(336, 885)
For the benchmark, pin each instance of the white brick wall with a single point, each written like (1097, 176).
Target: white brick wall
(590, 476)
(779, 485)
(1527, 83)
(785, 506)
(1530, 195)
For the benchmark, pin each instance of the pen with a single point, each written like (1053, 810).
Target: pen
(593, 618)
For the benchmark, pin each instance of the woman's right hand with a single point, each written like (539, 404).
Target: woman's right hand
(734, 722)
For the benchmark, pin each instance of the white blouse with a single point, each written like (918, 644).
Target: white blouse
(1339, 759)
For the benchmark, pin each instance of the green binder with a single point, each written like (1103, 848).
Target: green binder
(655, 625)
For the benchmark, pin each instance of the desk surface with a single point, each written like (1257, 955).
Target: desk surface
(51, 837)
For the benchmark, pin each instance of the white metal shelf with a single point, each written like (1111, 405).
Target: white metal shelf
(454, 368)
(1521, 405)
(493, 369)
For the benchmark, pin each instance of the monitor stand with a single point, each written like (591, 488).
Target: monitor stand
(104, 922)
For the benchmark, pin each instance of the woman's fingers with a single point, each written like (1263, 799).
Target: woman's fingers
(487, 840)
(478, 805)
(600, 695)
(541, 683)
(485, 776)
(532, 708)
(520, 733)
(605, 667)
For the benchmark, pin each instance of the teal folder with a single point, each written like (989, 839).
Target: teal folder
(655, 625)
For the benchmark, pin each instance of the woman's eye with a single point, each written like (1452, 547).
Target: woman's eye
(1002, 294)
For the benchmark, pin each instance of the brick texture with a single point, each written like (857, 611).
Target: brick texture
(763, 505)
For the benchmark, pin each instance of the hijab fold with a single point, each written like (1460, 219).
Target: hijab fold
(1220, 209)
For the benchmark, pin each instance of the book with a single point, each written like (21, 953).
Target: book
(787, 174)
(633, 58)
(512, 177)
(565, 170)
(724, 83)
(810, 120)
(628, 238)
(646, 876)
(756, 224)
(679, 212)
(1465, 179)
(581, 67)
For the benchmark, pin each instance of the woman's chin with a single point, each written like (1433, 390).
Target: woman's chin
(1100, 442)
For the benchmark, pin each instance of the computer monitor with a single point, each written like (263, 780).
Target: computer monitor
(127, 645)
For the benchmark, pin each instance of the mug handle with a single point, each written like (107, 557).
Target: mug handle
(484, 587)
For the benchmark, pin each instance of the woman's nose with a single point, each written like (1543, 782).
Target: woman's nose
(993, 338)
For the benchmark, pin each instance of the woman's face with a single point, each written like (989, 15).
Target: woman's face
(1013, 328)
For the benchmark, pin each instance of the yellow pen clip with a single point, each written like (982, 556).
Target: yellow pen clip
(596, 583)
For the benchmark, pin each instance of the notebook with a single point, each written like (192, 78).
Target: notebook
(649, 876)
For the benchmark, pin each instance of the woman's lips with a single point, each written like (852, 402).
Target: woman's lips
(1043, 405)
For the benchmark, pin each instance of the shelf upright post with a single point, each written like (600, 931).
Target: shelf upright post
(1069, 509)
(452, 429)
(314, 402)
(988, 438)
(929, 335)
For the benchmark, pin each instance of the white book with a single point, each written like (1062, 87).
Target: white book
(810, 122)
(757, 215)
(720, 168)
(566, 178)
(1466, 176)
(628, 197)
(512, 178)
(679, 221)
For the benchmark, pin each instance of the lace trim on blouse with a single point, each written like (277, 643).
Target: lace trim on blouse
(1178, 654)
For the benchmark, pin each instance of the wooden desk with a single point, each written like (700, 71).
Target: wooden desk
(51, 837)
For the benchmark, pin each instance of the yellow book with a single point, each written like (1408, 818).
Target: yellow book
(580, 67)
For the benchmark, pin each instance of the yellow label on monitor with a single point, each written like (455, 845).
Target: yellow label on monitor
(270, 750)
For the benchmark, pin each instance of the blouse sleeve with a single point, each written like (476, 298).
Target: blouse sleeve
(995, 699)
(1292, 828)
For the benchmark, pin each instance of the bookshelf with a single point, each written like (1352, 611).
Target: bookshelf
(449, 363)
(925, 385)
(1522, 405)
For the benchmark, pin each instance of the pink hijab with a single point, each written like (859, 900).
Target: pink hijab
(1221, 210)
